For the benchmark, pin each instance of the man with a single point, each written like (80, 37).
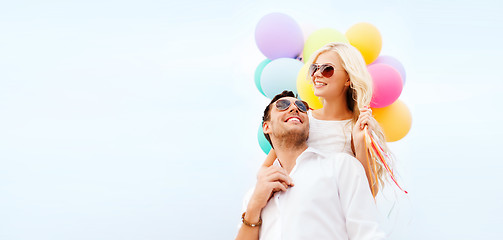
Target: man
(305, 194)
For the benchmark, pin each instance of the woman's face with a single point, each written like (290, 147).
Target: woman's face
(332, 87)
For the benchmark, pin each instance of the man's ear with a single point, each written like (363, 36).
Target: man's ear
(266, 127)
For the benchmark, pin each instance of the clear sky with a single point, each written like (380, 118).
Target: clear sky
(138, 119)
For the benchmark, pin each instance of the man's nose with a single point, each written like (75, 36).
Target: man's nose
(293, 108)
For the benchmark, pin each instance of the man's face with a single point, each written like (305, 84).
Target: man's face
(291, 122)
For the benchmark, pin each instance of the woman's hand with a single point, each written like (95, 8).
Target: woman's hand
(365, 119)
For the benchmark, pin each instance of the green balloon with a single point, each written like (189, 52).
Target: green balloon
(258, 74)
(320, 38)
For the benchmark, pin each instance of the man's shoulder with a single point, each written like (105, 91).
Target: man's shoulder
(340, 156)
(341, 160)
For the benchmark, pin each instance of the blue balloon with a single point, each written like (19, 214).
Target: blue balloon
(258, 74)
(279, 75)
(262, 141)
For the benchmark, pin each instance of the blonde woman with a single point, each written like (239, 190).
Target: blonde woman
(340, 78)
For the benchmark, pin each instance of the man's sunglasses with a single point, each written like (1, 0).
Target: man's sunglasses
(284, 104)
(326, 70)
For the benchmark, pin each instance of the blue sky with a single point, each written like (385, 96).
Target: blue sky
(138, 119)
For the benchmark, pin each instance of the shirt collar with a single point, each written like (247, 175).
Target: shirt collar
(309, 151)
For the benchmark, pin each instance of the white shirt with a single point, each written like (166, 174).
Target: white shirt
(330, 136)
(330, 200)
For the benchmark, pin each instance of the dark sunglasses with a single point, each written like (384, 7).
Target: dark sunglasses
(326, 70)
(284, 104)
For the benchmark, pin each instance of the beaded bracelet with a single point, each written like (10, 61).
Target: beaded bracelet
(251, 224)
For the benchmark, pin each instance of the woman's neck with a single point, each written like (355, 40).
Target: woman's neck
(333, 110)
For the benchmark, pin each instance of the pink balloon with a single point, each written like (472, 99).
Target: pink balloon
(388, 85)
(394, 63)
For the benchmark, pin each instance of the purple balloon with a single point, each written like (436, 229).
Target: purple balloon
(393, 62)
(279, 36)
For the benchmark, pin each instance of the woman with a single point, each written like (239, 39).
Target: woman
(340, 77)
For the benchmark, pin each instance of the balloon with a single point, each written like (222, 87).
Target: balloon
(392, 62)
(278, 36)
(395, 120)
(279, 75)
(320, 38)
(387, 85)
(366, 38)
(262, 141)
(305, 89)
(258, 74)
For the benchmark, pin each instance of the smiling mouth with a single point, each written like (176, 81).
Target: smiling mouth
(294, 119)
(319, 84)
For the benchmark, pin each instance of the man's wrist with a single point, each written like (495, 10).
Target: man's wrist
(252, 213)
(249, 223)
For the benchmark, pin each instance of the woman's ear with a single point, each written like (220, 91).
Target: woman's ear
(347, 83)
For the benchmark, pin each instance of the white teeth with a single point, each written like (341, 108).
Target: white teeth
(293, 119)
(320, 84)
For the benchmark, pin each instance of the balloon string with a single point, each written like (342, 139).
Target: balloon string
(388, 169)
(376, 152)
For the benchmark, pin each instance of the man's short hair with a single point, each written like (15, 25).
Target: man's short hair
(267, 111)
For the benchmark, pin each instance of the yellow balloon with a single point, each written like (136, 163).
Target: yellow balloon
(366, 38)
(305, 89)
(320, 38)
(395, 120)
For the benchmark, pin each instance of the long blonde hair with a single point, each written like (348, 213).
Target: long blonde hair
(359, 93)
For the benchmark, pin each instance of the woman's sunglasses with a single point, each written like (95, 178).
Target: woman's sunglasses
(326, 70)
(284, 104)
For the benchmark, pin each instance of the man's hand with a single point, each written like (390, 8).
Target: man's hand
(269, 180)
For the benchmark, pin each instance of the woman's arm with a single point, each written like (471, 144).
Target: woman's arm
(359, 145)
(269, 160)
(361, 155)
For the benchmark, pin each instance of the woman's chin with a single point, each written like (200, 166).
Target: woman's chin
(318, 93)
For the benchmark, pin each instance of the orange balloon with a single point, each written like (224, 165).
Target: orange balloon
(395, 120)
(366, 38)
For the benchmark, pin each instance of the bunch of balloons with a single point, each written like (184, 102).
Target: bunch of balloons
(285, 44)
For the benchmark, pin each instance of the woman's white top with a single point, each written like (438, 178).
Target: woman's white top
(329, 137)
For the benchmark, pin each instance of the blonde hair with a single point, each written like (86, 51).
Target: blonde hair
(359, 93)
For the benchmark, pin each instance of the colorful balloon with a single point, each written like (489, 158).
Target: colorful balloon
(279, 75)
(387, 85)
(305, 89)
(392, 62)
(258, 74)
(320, 38)
(366, 38)
(262, 141)
(395, 120)
(279, 36)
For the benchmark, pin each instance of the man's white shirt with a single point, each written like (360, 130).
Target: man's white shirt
(331, 199)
